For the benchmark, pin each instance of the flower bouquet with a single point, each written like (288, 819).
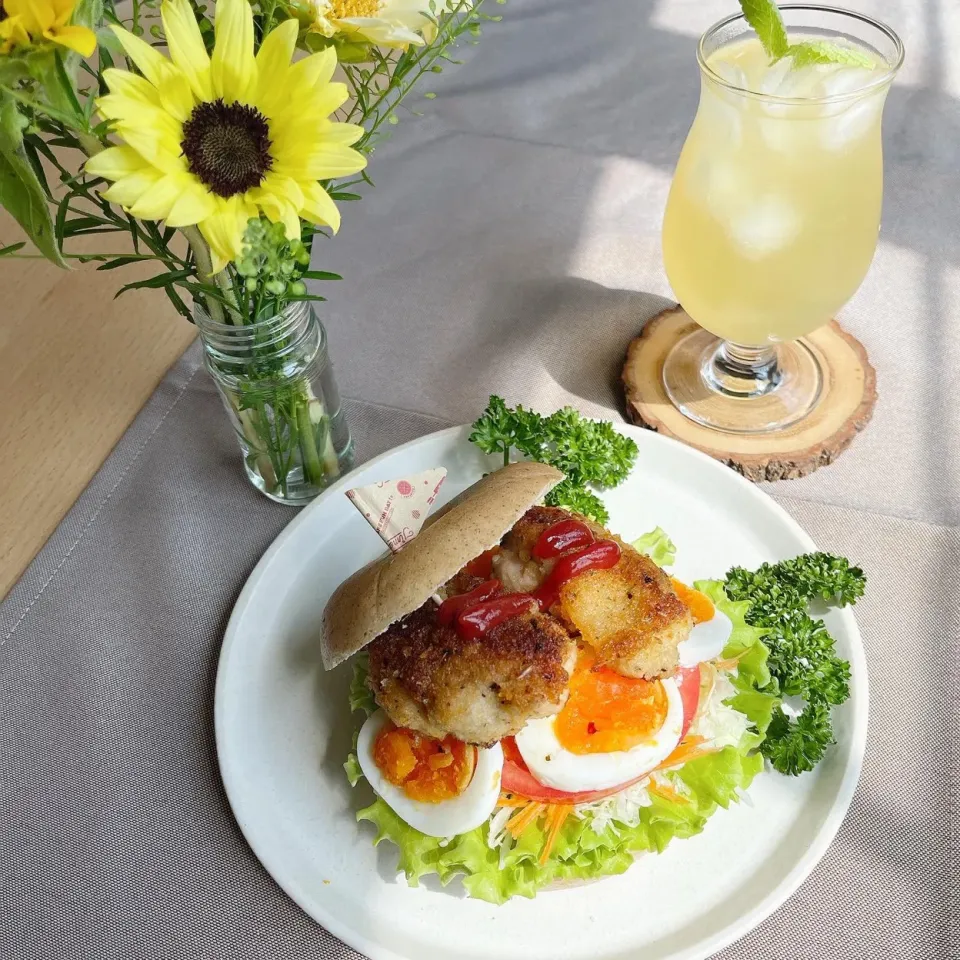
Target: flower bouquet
(218, 143)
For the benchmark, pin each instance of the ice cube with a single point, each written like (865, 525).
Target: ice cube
(763, 225)
(720, 109)
(839, 130)
(724, 186)
(730, 73)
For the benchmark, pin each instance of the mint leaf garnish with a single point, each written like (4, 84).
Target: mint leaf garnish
(764, 17)
(812, 52)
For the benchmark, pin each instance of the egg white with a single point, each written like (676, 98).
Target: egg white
(557, 767)
(449, 817)
(706, 640)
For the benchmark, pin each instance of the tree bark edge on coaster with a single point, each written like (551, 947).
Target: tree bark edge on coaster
(849, 396)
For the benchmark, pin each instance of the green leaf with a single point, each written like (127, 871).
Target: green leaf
(812, 52)
(153, 283)
(21, 192)
(320, 275)
(119, 262)
(361, 696)
(657, 546)
(764, 17)
(12, 248)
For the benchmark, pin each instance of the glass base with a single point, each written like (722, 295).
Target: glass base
(296, 490)
(739, 389)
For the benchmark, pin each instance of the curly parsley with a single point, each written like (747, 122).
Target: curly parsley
(803, 662)
(587, 451)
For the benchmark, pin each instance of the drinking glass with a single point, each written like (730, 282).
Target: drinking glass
(773, 214)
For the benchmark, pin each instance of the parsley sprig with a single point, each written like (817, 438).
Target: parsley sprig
(802, 662)
(587, 451)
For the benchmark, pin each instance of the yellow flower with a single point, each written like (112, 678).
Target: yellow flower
(29, 21)
(215, 140)
(386, 23)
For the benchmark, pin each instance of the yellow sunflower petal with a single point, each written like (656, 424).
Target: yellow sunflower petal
(273, 62)
(279, 211)
(224, 229)
(316, 69)
(81, 39)
(122, 83)
(344, 133)
(115, 163)
(186, 46)
(129, 189)
(172, 85)
(284, 187)
(158, 200)
(149, 61)
(319, 208)
(318, 161)
(194, 204)
(233, 69)
(153, 144)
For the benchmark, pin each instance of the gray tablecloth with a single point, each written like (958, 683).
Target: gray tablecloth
(512, 245)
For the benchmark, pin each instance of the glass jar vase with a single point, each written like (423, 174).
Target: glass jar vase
(277, 385)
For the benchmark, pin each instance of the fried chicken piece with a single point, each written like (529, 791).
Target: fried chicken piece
(630, 615)
(430, 679)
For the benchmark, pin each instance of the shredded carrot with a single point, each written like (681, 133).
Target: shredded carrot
(689, 749)
(557, 813)
(520, 821)
(512, 800)
(666, 791)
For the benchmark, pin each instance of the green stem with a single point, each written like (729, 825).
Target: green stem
(312, 467)
(201, 254)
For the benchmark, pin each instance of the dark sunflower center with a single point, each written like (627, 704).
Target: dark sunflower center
(227, 145)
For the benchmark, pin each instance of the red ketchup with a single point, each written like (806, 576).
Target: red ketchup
(560, 537)
(452, 606)
(598, 556)
(475, 621)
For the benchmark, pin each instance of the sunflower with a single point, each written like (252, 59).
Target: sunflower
(26, 22)
(386, 23)
(214, 140)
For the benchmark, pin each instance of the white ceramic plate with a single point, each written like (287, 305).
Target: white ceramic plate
(283, 729)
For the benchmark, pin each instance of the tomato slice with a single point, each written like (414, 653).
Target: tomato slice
(518, 779)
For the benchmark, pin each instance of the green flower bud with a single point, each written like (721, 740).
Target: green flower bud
(297, 289)
(276, 287)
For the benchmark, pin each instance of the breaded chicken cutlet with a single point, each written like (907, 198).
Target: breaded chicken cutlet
(629, 613)
(429, 678)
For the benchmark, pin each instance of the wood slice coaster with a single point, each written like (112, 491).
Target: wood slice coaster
(845, 407)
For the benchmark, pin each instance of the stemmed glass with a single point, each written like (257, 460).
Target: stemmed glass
(773, 215)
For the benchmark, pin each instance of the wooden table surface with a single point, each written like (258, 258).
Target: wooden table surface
(77, 366)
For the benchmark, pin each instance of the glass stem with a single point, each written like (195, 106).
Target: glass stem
(743, 371)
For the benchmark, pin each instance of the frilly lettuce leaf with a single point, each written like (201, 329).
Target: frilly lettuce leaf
(657, 546)
(361, 696)
(580, 852)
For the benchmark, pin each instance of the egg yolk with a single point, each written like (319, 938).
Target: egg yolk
(427, 770)
(699, 604)
(606, 712)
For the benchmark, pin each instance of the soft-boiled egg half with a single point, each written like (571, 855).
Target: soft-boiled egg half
(611, 730)
(706, 641)
(711, 628)
(440, 787)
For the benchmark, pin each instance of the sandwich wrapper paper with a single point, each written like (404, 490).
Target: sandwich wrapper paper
(397, 509)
